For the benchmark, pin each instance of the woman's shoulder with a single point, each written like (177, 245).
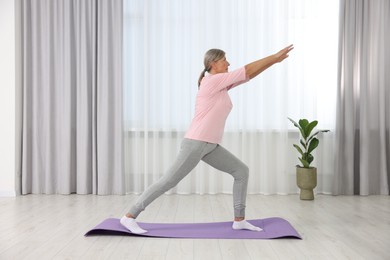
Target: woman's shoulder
(221, 81)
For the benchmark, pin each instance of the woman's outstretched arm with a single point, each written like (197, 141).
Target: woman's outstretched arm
(255, 68)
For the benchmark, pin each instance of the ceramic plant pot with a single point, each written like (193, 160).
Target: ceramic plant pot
(306, 181)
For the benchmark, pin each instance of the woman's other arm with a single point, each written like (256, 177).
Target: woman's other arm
(255, 68)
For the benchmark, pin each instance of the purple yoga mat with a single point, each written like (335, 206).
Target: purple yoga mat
(272, 228)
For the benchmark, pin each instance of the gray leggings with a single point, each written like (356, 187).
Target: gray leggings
(191, 152)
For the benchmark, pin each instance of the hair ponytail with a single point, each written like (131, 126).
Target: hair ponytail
(201, 77)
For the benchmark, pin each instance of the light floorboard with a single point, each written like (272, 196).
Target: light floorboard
(332, 227)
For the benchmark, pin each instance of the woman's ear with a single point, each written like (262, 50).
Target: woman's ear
(212, 65)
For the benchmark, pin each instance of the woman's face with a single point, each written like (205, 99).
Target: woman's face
(221, 66)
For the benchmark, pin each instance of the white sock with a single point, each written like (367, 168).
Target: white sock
(132, 225)
(243, 224)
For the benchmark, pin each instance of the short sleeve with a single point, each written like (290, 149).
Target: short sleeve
(226, 80)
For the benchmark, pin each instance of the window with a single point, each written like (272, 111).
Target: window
(165, 42)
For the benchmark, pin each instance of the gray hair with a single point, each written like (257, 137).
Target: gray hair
(210, 56)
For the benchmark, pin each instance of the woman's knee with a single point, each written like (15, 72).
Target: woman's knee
(242, 172)
(246, 171)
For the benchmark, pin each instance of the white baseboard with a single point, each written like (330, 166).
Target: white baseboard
(7, 193)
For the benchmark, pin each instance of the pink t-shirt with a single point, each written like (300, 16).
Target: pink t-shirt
(213, 105)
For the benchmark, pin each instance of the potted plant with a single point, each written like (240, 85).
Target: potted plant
(306, 174)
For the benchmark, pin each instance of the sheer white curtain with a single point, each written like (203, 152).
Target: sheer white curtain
(164, 44)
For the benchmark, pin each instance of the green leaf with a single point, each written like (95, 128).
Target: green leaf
(304, 163)
(303, 143)
(298, 149)
(298, 126)
(310, 158)
(304, 156)
(313, 145)
(294, 123)
(310, 127)
(303, 124)
(316, 133)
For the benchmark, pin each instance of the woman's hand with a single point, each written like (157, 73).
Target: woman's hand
(282, 54)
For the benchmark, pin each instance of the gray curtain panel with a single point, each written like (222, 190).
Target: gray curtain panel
(71, 104)
(362, 163)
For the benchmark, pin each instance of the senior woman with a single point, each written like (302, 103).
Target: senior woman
(203, 138)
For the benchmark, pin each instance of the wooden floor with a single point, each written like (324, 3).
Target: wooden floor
(332, 227)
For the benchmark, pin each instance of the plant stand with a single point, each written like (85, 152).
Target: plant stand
(306, 181)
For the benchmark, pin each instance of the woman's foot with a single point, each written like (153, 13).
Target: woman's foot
(243, 224)
(132, 225)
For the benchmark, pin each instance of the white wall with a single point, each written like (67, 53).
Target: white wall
(7, 98)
